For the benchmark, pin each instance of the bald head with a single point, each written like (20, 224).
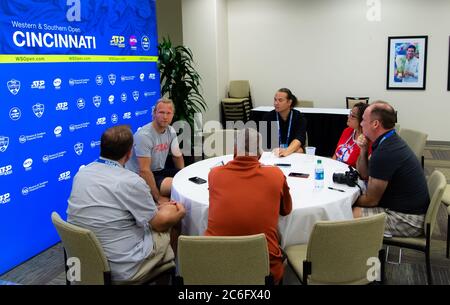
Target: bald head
(385, 113)
(248, 142)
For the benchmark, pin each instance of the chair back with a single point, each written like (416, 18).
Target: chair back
(397, 127)
(351, 101)
(416, 140)
(239, 89)
(84, 245)
(436, 187)
(235, 111)
(223, 260)
(219, 143)
(339, 250)
(305, 104)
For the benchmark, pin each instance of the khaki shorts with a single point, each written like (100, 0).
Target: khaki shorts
(399, 224)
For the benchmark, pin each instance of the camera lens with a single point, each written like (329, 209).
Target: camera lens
(339, 178)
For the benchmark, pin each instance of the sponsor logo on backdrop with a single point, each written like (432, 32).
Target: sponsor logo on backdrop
(123, 97)
(136, 95)
(13, 86)
(73, 127)
(5, 198)
(63, 106)
(57, 83)
(38, 84)
(133, 42)
(112, 79)
(125, 78)
(15, 113)
(57, 155)
(142, 77)
(64, 176)
(97, 100)
(111, 99)
(117, 41)
(27, 164)
(114, 118)
(38, 110)
(101, 121)
(99, 80)
(28, 189)
(57, 131)
(78, 147)
(95, 143)
(140, 112)
(145, 43)
(127, 115)
(152, 76)
(81, 103)
(4, 142)
(81, 81)
(6, 170)
(36, 136)
(149, 93)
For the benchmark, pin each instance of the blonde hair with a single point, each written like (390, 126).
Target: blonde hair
(163, 101)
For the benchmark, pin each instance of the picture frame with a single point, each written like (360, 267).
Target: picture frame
(448, 76)
(407, 62)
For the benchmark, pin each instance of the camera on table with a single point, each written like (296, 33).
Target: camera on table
(349, 177)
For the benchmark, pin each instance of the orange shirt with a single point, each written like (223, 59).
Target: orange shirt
(246, 197)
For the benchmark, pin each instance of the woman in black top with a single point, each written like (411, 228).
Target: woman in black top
(290, 124)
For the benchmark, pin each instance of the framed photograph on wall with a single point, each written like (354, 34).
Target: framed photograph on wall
(407, 62)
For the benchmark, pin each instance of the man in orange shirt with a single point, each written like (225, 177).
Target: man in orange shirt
(246, 197)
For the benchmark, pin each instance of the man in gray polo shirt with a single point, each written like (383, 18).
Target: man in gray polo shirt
(152, 143)
(116, 205)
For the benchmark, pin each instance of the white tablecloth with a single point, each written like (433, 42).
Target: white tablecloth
(309, 204)
(342, 111)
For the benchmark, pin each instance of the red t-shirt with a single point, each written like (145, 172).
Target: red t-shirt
(245, 198)
(347, 150)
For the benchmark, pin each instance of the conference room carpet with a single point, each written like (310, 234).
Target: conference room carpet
(47, 268)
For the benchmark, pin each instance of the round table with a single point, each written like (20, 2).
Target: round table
(308, 204)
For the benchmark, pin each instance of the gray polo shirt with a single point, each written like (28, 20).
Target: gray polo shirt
(150, 143)
(116, 205)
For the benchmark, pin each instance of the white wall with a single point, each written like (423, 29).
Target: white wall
(324, 50)
(205, 33)
(170, 20)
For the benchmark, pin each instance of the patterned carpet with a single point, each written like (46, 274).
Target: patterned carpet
(47, 268)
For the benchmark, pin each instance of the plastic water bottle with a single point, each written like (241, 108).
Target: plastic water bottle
(319, 176)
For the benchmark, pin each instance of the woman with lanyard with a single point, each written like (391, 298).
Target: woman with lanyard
(347, 150)
(290, 124)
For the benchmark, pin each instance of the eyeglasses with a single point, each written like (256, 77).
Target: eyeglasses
(354, 116)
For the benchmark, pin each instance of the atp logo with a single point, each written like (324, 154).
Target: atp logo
(6, 170)
(136, 95)
(13, 86)
(38, 84)
(112, 79)
(64, 176)
(117, 41)
(101, 121)
(38, 110)
(5, 198)
(127, 115)
(97, 100)
(4, 142)
(62, 106)
(78, 147)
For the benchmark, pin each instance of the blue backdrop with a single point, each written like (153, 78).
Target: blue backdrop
(69, 70)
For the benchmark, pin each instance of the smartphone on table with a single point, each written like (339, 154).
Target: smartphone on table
(197, 180)
(298, 175)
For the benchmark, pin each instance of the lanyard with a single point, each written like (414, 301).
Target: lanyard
(386, 136)
(108, 162)
(279, 130)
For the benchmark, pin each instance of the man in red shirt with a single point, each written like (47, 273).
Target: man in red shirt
(246, 197)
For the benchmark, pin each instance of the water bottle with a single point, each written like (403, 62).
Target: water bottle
(319, 176)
